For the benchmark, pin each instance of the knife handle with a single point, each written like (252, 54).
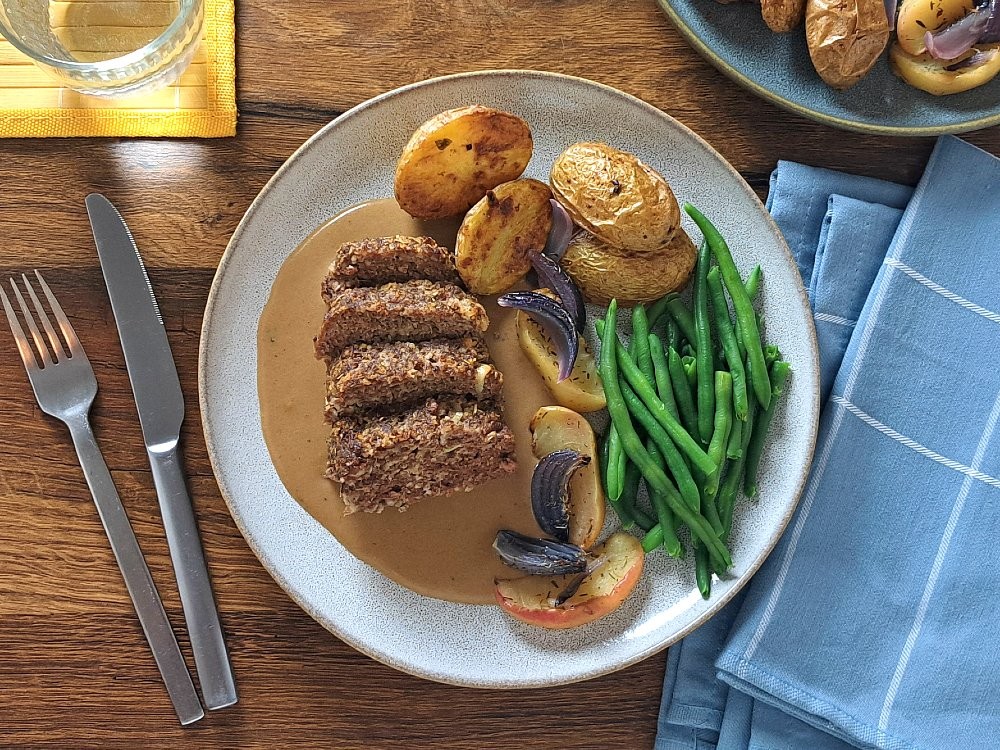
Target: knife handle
(138, 581)
(215, 674)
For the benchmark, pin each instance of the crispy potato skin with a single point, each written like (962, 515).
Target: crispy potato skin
(491, 252)
(616, 197)
(781, 16)
(845, 38)
(455, 157)
(603, 274)
(927, 74)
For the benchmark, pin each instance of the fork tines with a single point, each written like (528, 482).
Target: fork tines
(48, 357)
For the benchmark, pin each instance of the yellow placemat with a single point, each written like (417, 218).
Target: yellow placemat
(201, 104)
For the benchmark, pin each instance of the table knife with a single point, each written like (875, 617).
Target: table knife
(160, 404)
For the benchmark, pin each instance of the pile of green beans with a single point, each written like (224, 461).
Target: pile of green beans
(691, 399)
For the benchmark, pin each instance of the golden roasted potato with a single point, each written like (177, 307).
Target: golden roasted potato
(603, 274)
(582, 391)
(555, 428)
(491, 252)
(917, 17)
(782, 16)
(845, 38)
(616, 197)
(456, 156)
(930, 75)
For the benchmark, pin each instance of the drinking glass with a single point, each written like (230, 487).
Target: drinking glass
(106, 47)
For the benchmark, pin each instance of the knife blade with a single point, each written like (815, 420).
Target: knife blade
(160, 403)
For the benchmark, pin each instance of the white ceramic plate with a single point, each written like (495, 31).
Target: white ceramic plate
(353, 159)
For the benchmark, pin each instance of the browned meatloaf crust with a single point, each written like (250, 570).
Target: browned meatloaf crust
(379, 260)
(440, 447)
(411, 311)
(377, 376)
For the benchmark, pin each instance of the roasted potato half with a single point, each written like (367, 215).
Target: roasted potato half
(603, 274)
(845, 38)
(980, 66)
(917, 17)
(781, 16)
(456, 156)
(491, 252)
(616, 197)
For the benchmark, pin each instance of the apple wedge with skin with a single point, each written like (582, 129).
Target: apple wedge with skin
(533, 599)
(555, 428)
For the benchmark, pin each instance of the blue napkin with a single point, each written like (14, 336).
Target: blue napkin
(870, 622)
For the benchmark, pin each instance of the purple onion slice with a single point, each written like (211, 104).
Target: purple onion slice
(552, 275)
(562, 230)
(991, 34)
(556, 321)
(972, 61)
(891, 6)
(540, 557)
(958, 38)
(550, 491)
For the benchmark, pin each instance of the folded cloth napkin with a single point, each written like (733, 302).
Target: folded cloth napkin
(871, 619)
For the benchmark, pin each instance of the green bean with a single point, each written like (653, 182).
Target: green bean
(722, 423)
(659, 308)
(703, 345)
(616, 466)
(688, 351)
(691, 372)
(734, 447)
(682, 391)
(771, 355)
(640, 341)
(702, 570)
(665, 446)
(779, 374)
(654, 476)
(647, 395)
(730, 348)
(746, 318)
(673, 334)
(753, 282)
(661, 375)
(624, 513)
(682, 317)
(630, 498)
(726, 499)
(666, 517)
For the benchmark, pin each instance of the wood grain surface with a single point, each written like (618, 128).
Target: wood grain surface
(75, 671)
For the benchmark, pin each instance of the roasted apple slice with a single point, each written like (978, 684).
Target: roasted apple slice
(555, 428)
(552, 602)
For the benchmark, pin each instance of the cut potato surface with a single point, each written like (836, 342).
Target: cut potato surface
(491, 252)
(930, 75)
(603, 274)
(455, 157)
(616, 197)
(555, 428)
(532, 599)
(582, 391)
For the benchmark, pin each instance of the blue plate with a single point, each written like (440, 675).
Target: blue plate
(777, 67)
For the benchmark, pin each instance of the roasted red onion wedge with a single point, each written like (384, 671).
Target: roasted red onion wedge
(550, 491)
(562, 230)
(556, 321)
(955, 40)
(551, 275)
(541, 557)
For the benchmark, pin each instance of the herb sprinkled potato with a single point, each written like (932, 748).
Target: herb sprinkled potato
(616, 197)
(603, 273)
(456, 156)
(491, 252)
(942, 77)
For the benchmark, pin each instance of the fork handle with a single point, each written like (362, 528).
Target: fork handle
(200, 612)
(138, 581)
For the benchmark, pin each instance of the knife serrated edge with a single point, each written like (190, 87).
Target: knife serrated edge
(142, 264)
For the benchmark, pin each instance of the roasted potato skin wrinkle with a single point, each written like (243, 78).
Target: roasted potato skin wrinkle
(616, 197)
(845, 38)
(781, 16)
(455, 157)
(491, 252)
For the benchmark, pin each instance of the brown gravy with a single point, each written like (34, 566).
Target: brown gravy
(441, 546)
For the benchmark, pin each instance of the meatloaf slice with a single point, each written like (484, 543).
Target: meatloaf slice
(411, 311)
(439, 447)
(379, 260)
(374, 376)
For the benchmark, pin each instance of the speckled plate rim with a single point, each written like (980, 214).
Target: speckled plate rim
(746, 82)
(274, 569)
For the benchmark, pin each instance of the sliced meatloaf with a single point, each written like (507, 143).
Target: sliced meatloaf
(379, 260)
(410, 311)
(439, 447)
(379, 376)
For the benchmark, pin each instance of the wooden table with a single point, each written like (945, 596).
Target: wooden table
(75, 671)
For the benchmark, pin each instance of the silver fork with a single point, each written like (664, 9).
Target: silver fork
(65, 386)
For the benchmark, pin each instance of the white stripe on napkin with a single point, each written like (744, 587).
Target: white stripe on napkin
(949, 530)
(828, 318)
(946, 293)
